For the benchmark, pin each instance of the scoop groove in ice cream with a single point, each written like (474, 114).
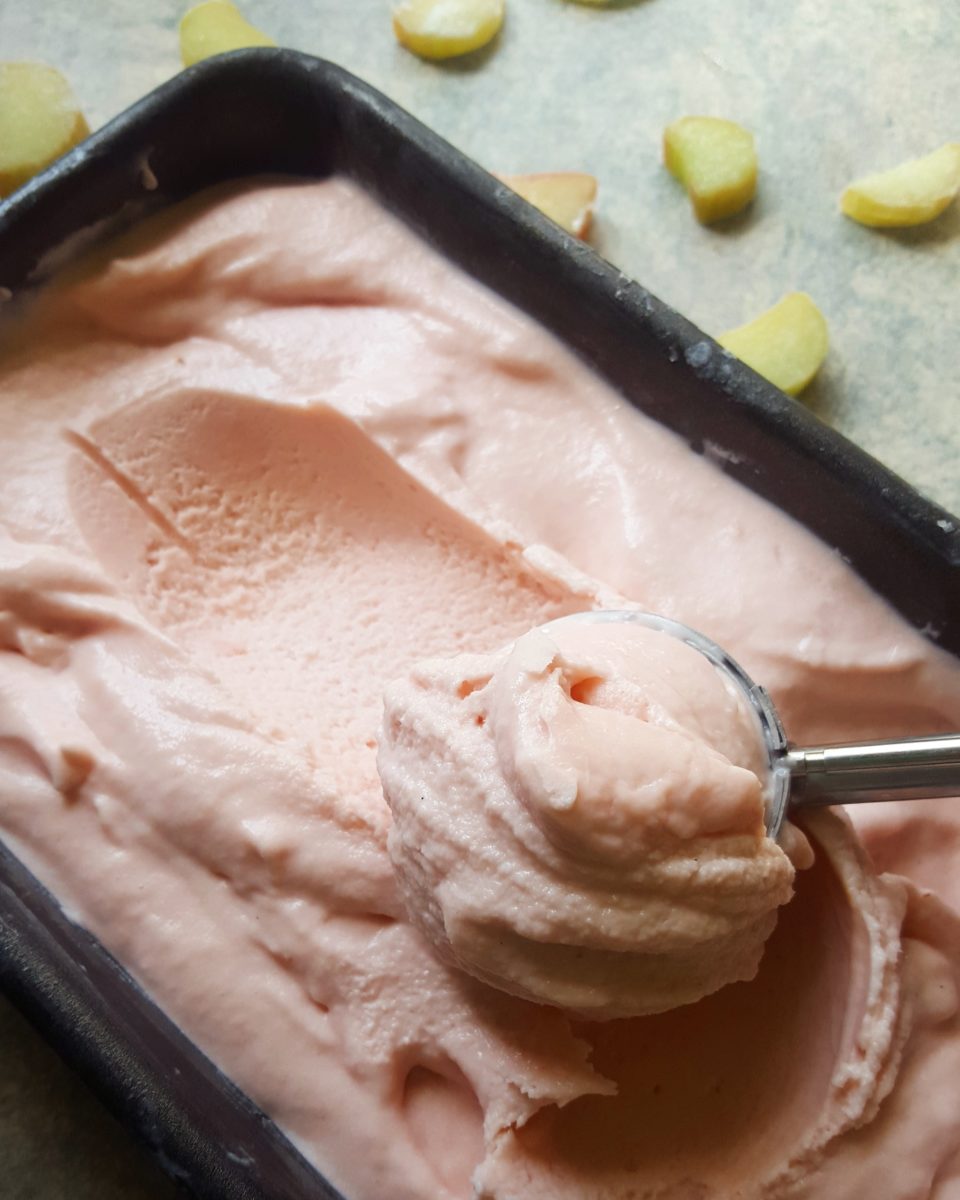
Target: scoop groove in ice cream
(579, 818)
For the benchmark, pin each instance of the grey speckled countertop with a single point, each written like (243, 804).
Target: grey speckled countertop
(831, 91)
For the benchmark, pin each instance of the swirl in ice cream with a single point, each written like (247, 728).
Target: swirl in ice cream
(579, 818)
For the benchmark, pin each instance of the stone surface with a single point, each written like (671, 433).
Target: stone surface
(831, 91)
(56, 1141)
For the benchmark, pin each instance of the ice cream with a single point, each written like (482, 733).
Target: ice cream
(579, 818)
(262, 458)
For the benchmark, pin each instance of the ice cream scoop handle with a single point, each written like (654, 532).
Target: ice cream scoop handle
(905, 769)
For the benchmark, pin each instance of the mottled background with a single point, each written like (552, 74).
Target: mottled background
(831, 91)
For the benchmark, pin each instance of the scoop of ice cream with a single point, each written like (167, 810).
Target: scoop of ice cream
(579, 819)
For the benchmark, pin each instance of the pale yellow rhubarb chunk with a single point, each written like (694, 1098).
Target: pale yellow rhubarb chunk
(716, 162)
(447, 28)
(911, 194)
(786, 344)
(216, 27)
(566, 197)
(39, 121)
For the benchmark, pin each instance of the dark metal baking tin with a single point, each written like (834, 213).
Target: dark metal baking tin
(264, 111)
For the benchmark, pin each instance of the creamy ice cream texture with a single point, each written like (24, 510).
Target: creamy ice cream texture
(268, 456)
(579, 819)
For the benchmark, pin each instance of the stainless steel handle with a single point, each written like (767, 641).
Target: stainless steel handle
(905, 769)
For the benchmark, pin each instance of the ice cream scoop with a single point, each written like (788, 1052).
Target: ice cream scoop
(579, 818)
(915, 768)
(594, 817)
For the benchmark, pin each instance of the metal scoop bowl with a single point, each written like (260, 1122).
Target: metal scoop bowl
(918, 768)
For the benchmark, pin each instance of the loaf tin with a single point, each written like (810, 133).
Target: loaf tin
(280, 112)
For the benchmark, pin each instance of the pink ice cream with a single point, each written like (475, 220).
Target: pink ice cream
(262, 458)
(579, 819)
